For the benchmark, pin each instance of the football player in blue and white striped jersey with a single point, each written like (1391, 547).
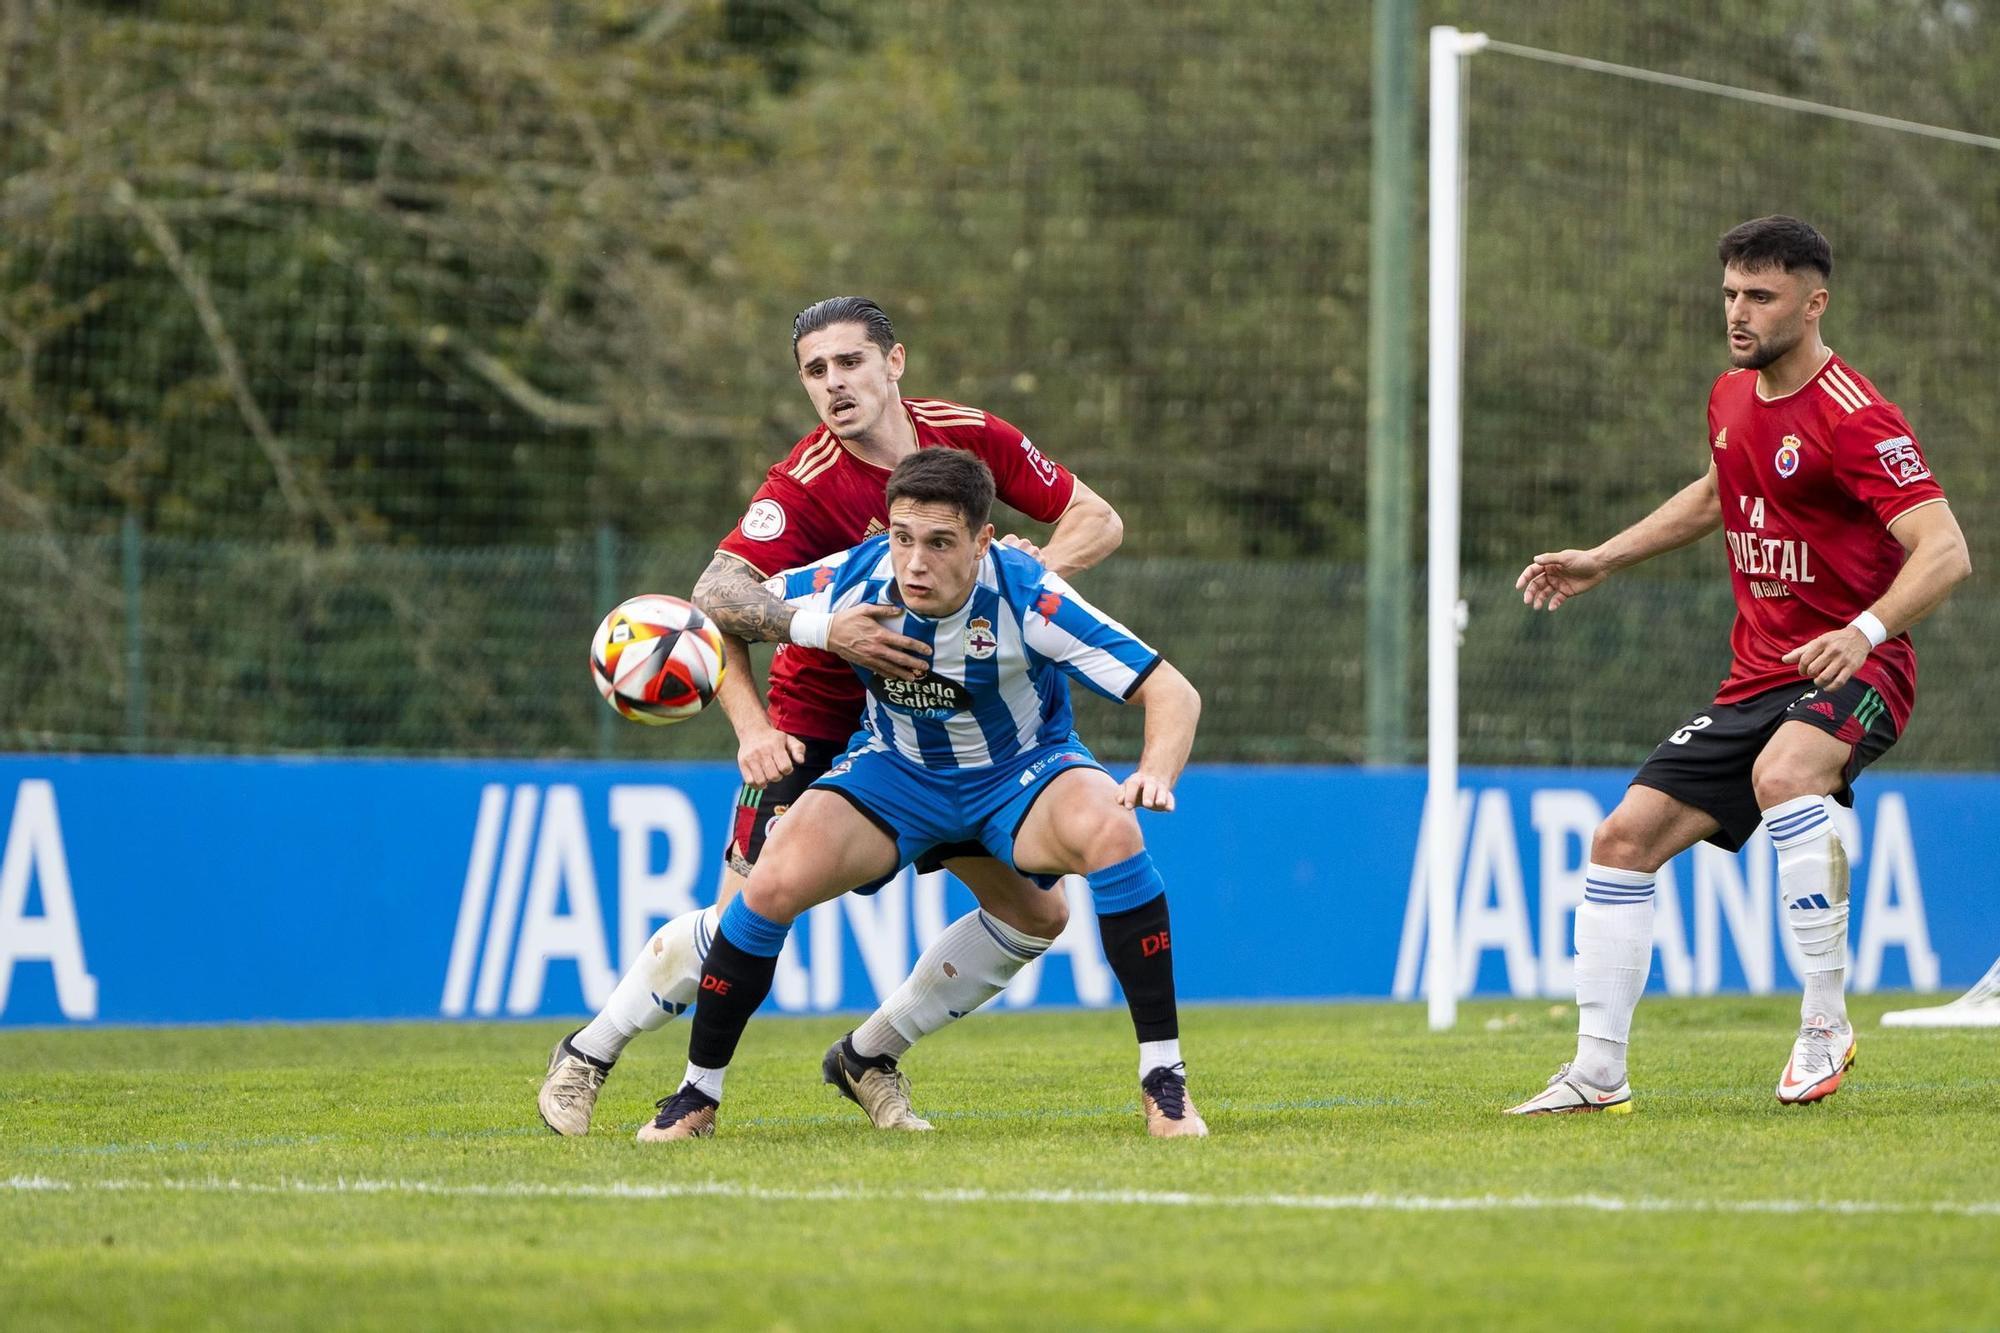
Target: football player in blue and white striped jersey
(995, 688)
(978, 747)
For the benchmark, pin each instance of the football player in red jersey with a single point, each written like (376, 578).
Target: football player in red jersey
(825, 496)
(1839, 540)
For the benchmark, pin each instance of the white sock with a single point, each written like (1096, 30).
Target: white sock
(1812, 897)
(708, 1080)
(1614, 952)
(969, 963)
(660, 984)
(1158, 1055)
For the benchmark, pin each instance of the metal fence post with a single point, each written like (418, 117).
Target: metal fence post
(129, 544)
(1391, 211)
(607, 595)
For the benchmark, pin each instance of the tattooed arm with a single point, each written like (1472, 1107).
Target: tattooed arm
(730, 591)
(734, 596)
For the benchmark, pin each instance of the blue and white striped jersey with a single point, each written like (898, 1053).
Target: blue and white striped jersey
(995, 685)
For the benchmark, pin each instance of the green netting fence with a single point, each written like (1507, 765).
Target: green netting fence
(354, 356)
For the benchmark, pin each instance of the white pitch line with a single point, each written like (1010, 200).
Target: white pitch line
(723, 1189)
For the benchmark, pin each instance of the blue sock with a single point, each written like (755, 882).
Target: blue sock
(1131, 883)
(751, 933)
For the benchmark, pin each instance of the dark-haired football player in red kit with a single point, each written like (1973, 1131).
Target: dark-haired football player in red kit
(826, 496)
(1839, 540)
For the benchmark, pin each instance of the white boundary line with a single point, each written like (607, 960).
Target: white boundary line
(724, 1189)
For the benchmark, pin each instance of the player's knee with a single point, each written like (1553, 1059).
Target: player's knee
(1107, 836)
(772, 893)
(1036, 912)
(1778, 778)
(1047, 913)
(1621, 843)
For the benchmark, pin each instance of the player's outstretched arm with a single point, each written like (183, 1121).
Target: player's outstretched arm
(763, 753)
(736, 598)
(1936, 561)
(741, 604)
(1088, 531)
(1554, 577)
(1172, 708)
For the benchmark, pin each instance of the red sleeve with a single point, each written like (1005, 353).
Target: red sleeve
(1026, 478)
(783, 528)
(1878, 461)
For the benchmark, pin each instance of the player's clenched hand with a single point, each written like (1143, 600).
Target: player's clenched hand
(1144, 791)
(859, 635)
(1553, 578)
(1831, 660)
(1022, 544)
(764, 757)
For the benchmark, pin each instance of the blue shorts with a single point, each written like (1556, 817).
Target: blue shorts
(924, 808)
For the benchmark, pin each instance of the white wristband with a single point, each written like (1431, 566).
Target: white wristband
(1871, 625)
(810, 628)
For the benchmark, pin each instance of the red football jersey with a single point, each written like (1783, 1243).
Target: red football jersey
(824, 499)
(1810, 483)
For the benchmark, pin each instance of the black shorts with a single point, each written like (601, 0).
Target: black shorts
(1707, 761)
(758, 809)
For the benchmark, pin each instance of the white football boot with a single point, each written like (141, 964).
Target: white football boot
(1567, 1094)
(1820, 1056)
(569, 1091)
(875, 1085)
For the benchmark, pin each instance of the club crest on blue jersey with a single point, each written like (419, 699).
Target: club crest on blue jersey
(977, 706)
(1788, 456)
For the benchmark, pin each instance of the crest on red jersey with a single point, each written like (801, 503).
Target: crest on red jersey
(765, 520)
(1902, 461)
(1039, 461)
(1788, 456)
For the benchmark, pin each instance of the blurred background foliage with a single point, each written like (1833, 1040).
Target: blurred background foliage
(356, 354)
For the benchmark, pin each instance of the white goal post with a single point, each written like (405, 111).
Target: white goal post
(1445, 613)
(1450, 50)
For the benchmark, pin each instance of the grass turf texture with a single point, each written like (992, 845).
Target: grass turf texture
(268, 1177)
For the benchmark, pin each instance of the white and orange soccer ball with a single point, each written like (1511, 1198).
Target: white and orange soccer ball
(656, 659)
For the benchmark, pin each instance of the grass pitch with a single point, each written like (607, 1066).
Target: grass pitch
(1358, 1175)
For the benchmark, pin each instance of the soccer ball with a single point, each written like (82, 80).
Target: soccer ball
(656, 659)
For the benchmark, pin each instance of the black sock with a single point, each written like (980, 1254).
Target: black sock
(733, 984)
(1139, 947)
(859, 1061)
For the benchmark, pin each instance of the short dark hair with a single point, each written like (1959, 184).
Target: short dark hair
(844, 310)
(1778, 241)
(945, 476)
